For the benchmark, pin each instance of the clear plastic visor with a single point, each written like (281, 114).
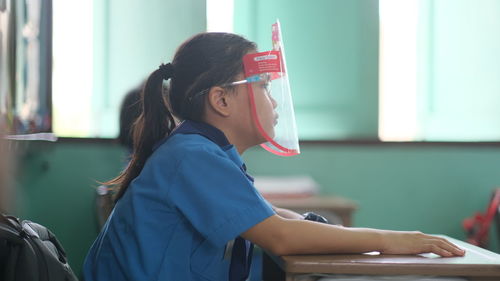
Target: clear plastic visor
(271, 102)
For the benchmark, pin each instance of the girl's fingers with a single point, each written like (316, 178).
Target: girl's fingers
(447, 248)
(435, 249)
(452, 248)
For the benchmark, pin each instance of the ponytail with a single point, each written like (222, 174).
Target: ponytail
(154, 123)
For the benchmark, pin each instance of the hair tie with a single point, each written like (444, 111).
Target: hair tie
(166, 70)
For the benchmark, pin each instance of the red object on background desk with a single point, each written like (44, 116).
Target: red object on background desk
(478, 226)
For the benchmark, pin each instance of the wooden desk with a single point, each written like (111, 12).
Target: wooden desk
(477, 264)
(342, 207)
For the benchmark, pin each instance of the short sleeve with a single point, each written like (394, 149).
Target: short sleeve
(216, 197)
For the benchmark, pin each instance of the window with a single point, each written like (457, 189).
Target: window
(72, 74)
(103, 49)
(220, 15)
(420, 70)
(398, 118)
(439, 70)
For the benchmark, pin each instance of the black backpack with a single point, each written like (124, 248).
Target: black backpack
(30, 252)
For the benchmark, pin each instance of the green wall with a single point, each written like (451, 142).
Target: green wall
(56, 188)
(412, 186)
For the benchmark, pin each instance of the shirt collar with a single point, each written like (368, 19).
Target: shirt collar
(210, 132)
(200, 128)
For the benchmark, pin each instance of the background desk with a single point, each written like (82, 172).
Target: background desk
(324, 205)
(477, 264)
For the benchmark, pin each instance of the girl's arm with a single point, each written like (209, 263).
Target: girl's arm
(288, 236)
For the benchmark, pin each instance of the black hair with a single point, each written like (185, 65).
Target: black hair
(203, 61)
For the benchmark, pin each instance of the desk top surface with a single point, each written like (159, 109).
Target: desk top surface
(476, 262)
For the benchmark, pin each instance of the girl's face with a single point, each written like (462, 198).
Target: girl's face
(264, 107)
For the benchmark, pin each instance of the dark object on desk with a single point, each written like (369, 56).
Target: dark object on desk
(31, 252)
(336, 209)
(311, 216)
(477, 227)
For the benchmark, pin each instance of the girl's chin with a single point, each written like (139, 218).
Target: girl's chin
(271, 134)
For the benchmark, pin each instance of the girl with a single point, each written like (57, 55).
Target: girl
(186, 209)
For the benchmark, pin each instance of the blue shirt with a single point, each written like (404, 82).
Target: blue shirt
(174, 221)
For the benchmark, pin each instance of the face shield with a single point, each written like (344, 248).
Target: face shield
(270, 97)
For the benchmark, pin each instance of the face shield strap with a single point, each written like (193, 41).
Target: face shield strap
(255, 78)
(252, 79)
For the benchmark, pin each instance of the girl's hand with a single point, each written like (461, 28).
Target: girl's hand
(399, 242)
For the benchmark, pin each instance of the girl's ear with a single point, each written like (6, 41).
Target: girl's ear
(219, 101)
